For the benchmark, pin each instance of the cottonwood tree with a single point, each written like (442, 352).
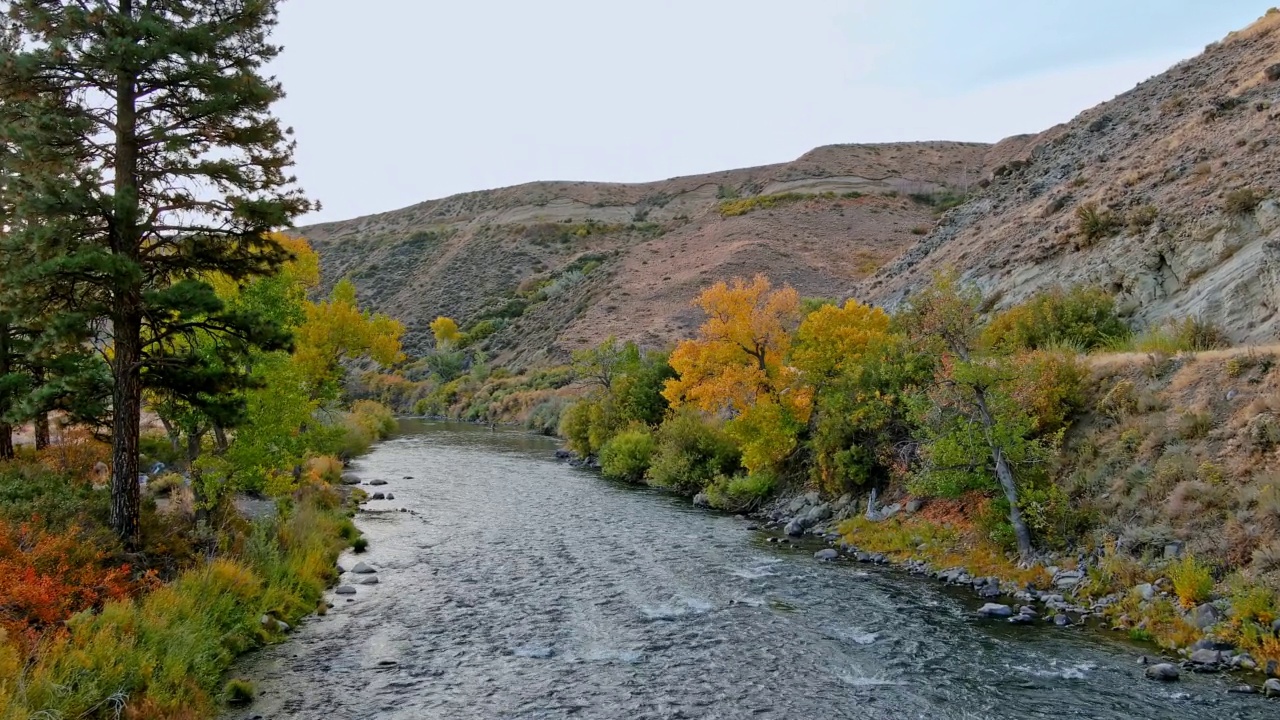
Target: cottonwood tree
(973, 425)
(147, 161)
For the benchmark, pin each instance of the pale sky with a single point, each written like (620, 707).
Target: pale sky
(399, 101)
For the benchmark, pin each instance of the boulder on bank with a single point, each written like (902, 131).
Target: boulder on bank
(701, 500)
(795, 528)
(826, 554)
(1204, 617)
(1271, 688)
(1163, 672)
(349, 479)
(1205, 658)
(995, 610)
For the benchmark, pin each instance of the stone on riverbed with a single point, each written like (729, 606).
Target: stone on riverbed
(366, 580)
(345, 590)
(1206, 658)
(391, 496)
(795, 528)
(363, 569)
(377, 482)
(995, 610)
(1164, 672)
(701, 500)
(378, 496)
(826, 554)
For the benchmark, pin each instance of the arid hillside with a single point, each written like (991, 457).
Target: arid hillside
(1166, 195)
(556, 265)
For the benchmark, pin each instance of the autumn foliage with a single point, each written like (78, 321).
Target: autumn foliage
(46, 577)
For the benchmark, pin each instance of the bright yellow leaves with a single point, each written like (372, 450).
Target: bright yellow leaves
(739, 354)
(336, 329)
(752, 365)
(737, 368)
(446, 332)
(833, 340)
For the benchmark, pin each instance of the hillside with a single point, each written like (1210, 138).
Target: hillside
(1176, 181)
(1164, 195)
(557, 265)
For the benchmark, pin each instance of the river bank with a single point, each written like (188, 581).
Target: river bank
(515, 586)
(1059, 591)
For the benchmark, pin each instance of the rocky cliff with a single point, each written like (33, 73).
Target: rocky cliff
(1165, 195)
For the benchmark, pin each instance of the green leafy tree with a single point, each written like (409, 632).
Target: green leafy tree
(147, 160)
(974, 428)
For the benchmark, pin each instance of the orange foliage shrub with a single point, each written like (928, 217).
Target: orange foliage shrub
(75, 453)
(46, 577)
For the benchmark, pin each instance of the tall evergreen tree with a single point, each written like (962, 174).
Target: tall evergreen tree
(147, 161)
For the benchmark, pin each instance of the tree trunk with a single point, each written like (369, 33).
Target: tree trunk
(126, 411)
(194, 439)
(171, 431)
(43, 436)
(127, 306)
(1005, 475)
(220, 443)
(6, 430)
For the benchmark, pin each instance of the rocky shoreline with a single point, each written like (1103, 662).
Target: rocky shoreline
(808, 515)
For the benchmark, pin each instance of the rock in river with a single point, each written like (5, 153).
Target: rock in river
(826, 554)
(1271, 688)
(345, 590)
(362, 569)
(1207, 658)
(1164, 672)
(367, 580)
(377, 482)
(995, 610)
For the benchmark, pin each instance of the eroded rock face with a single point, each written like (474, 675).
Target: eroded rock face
(1184, 168)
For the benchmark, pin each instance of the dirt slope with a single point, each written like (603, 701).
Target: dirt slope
(1183, 171)
(556, 265)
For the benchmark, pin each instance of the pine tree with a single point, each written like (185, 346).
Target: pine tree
(147, 161)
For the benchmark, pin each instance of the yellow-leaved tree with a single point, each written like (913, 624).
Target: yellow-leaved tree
(737, 368)
(445, 330)
(337, 328)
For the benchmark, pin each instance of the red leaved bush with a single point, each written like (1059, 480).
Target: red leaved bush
(47, 577)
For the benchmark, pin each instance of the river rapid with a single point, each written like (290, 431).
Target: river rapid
(515, 586)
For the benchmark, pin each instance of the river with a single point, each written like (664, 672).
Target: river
(519, 587)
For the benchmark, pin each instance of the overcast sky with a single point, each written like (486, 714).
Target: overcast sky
(399, 101)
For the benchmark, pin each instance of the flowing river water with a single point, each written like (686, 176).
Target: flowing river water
(519, 587)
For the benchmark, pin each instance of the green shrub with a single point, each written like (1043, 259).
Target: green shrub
(545, 416)
(691, 453)
(740, 493)
(1082, 317)
(1192, 581)
(626, 456)
(1095, 224)
(239, 691)
(1186, 335)
(1242, 201)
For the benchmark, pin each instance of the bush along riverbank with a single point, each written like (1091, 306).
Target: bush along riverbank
(1049, 454)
